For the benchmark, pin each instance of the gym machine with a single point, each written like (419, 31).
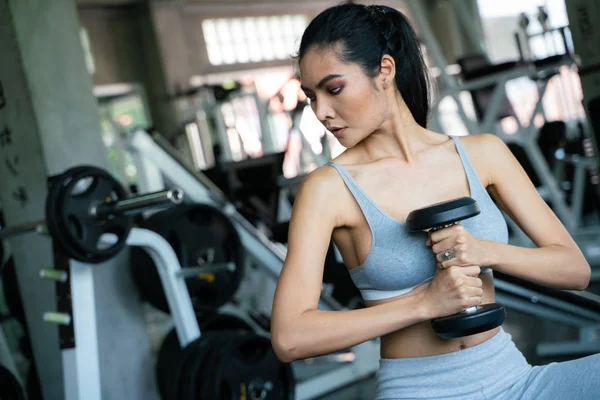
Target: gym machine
(90, 219)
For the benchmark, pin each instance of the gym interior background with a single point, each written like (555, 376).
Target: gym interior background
(192, 109)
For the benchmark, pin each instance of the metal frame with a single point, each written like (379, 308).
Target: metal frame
(586, 321)
(81, 363)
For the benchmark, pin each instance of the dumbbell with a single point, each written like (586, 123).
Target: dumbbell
(472, 320)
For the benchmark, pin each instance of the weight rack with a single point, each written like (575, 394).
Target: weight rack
(72, 273)
(80, 360)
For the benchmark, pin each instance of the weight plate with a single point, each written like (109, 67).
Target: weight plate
(224, 322)
(10, 388)
(440, 214)
(485, 318)
(34, 389)
(248, 368)
(171, 356)
(1, 252)
(188, 356)
(201, 235)
(12, 294)
(197, 379)
(168, 355)
(71, 196)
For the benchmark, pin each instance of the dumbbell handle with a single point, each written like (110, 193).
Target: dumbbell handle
(133, 205)
(137, 204)
(467, 310)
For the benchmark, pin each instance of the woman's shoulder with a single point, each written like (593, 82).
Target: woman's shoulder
(488, 153)
(323, 182)
(321, 190)
(485, 149)
(482, 143)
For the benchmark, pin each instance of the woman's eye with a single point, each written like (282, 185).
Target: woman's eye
(335, 90)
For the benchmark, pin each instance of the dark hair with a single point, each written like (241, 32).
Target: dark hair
(362, 35)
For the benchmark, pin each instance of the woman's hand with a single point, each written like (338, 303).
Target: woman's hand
(456, 246)
(452, 290)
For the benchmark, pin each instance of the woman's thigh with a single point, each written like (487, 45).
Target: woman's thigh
(570, 380)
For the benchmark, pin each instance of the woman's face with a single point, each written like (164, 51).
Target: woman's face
(342, 97)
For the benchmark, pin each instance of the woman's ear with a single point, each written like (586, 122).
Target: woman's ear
(387, 75)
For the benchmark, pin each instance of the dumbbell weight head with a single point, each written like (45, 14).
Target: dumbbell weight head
(475, 319)
(468, 322)
(442, 214)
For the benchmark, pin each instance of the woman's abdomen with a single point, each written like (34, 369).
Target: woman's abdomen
(419, 340)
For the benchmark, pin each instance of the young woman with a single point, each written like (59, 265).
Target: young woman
(362, 69)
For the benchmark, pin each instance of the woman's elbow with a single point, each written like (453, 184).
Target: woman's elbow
(584, 277)
(584, 272)
(284, 345)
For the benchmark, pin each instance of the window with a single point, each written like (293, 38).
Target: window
(252, 39)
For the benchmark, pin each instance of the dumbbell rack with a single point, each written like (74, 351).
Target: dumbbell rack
(80, 354)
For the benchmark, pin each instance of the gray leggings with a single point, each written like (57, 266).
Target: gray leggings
(495, 369)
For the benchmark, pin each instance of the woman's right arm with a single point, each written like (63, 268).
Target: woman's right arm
(299, 329)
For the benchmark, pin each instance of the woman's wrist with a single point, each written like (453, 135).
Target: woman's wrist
(490, 253)
(422, 306)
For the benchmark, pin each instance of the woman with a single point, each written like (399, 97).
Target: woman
(362, 70)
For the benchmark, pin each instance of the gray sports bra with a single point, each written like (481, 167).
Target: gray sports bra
(399, 260)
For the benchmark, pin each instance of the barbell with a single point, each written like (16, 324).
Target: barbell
(89, 214)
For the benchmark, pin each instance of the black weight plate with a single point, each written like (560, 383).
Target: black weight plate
(12, 294)
(248, 368)
(53, 220)
(440, 214)
(197, 377)
(10, 388)
(224, 322)
(193, 231)
(205, 372)
(168, 355)
(180, 368)
(34, 388)
(68, 213)
(171, 358)
(487, 317)
(1, 252)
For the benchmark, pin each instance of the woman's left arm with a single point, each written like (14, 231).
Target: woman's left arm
(556, 262)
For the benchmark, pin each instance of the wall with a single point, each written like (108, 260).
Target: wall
(115, 37)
